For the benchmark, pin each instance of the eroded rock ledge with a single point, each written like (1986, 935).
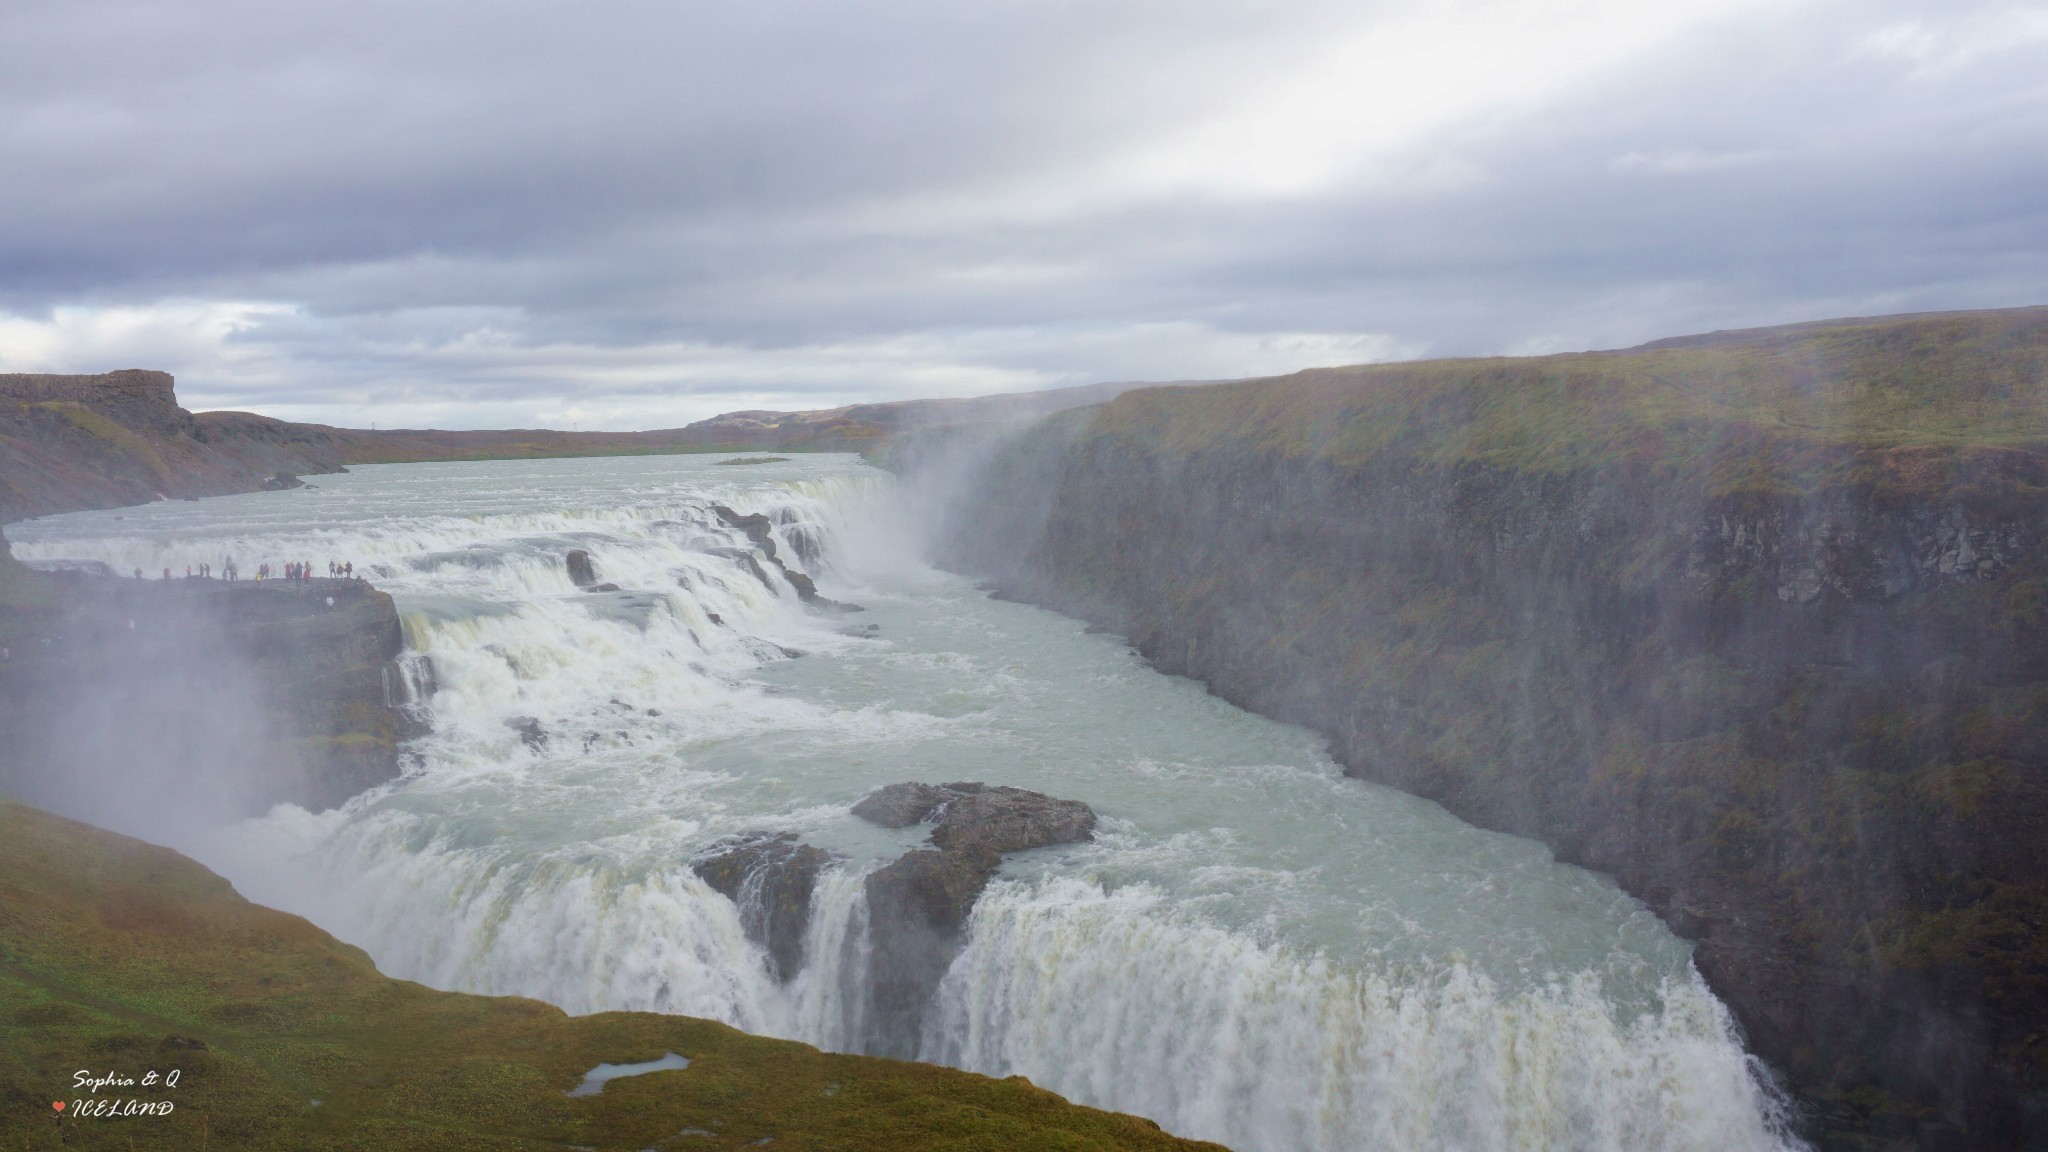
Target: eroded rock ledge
(917, 905)
(136, 700)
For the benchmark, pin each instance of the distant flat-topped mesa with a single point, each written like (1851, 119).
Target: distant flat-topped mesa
(117, 438)
(133, 397)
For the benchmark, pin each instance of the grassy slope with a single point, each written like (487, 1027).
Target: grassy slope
(110, 947)
(1977, 380)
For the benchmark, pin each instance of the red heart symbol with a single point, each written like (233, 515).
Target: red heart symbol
(57, 1104)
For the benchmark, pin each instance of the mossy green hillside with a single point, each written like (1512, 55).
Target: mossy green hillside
(1778, 401)
(121, 957)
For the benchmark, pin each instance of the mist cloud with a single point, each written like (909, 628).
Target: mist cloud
(634, 214)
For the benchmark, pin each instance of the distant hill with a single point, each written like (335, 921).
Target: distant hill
(120, 438)
(70, 442)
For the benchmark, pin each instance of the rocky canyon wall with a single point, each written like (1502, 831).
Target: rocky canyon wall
(144, 704)
(1757, 623)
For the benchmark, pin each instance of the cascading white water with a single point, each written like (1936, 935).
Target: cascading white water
(1254, 950)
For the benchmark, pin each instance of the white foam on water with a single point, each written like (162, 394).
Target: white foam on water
(1255, 950)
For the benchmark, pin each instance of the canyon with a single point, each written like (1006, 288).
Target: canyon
(1753, 622)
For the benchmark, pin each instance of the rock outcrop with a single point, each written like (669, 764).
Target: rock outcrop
(132, 701)
(760, 531)
(582, 572)
(918, 904)
(974, 816)
(1757, 623)
(73, 442)
(770, 879)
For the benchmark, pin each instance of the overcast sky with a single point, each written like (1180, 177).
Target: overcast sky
(636, 213)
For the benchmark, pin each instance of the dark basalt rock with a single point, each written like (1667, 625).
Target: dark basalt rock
(900, 805)
(999, 818)
(234, 696)
(1744, 668)
(581, 572)
(771, 879)
(756, 527)
(606, 587)
(530, 731)
(1009, 820)
(917, 905)
(806, 588)
(761, 532)
(283, 481)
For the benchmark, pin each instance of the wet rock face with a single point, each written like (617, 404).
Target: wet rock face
(581, 572)
(152, 700)
(757, 528)
(771, 879)
(1009, 820)
(900, 805)
(760, 531)
(916, 908)
(918, 905)
(1744, 699)
(969, 815)
(531, 733)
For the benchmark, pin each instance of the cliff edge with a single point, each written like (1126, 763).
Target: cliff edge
(1756, 622)
(74, 442)
(134, 702)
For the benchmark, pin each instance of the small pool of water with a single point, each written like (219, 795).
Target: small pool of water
(595, 1079)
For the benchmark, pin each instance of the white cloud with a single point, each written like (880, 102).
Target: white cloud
(1386, 85)
(1687, 161)
(172, 335)
(1935, 45)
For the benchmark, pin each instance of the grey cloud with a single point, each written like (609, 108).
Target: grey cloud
(655, 209)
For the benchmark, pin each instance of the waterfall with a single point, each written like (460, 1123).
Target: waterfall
(1254, 950)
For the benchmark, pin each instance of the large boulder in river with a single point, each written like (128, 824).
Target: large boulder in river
(755, 527)
(770, 879)
(581, 572)
(1003, 819)
(901, 805)
(999, 818)
(918, 905)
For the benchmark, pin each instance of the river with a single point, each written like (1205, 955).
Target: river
(1254, 950)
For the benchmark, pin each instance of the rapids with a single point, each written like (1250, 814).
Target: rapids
(1255, 950)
